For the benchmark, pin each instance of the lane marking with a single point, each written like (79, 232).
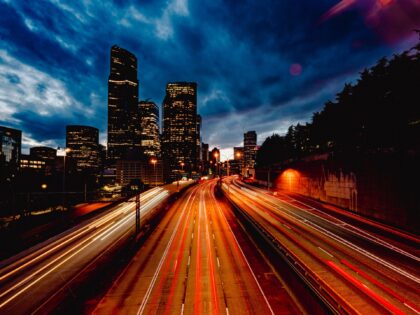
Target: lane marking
(348, 243)
(325, 252)
(412, 308)
(353, 229)
(243, 255)
(165, 253)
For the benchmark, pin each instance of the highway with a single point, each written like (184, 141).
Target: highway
(198, 261)
(358, 269)
(34, 277)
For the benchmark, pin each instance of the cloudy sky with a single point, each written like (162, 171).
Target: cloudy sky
(260, 65)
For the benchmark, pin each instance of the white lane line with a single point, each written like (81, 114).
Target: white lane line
(325, 252)
(192, 235)
(165, 253)
(189, 260)
(182, 309)
(176, 263)
(339, 239)
(348, 227)
(218, 262)
(227, 311)
(243, 255)
(412, 308)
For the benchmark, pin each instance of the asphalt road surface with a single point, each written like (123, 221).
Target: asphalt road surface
(364, 271)
(29, 280)
(198, 261)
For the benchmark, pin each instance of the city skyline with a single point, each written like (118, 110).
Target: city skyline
(50, 82)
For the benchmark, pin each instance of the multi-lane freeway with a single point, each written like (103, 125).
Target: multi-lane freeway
(203, 258)
(198, 261)
(31, 279)
(358, 270)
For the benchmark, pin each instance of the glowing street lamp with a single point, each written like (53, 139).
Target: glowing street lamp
(216, 156)
(154, 161)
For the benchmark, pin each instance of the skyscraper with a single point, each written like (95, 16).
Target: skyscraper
(199, 153)
(250, 151)
(123, 113)
(149, 126)
(10, 150)
(84, 146)
(179, 138)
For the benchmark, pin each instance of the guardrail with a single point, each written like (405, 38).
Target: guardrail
(318, 297)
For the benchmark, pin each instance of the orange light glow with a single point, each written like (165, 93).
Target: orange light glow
(289, 179)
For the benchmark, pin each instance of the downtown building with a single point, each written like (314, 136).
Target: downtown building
(149, 126)
(46, 154)
(83, 145)
(10, 151)
(180, 137)
(250, 153)
(123, 111)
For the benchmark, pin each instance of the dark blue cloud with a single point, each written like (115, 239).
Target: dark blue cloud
(54, 59)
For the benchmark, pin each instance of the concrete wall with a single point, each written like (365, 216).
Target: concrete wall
(385, 189)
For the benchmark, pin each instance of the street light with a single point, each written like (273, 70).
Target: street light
(154, 161)
(182, 166)
(216, 155)
(238, 156)
(66, 150)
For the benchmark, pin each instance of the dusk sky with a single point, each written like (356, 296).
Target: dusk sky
(260, 65)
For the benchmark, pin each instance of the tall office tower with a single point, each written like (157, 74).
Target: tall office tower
(123, 113)
(10, 151)
(199, 155)
(149, 125)
(250, 149)
(179, 138)
(84, 146)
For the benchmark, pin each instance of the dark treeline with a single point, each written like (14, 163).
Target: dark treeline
(380, 113)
